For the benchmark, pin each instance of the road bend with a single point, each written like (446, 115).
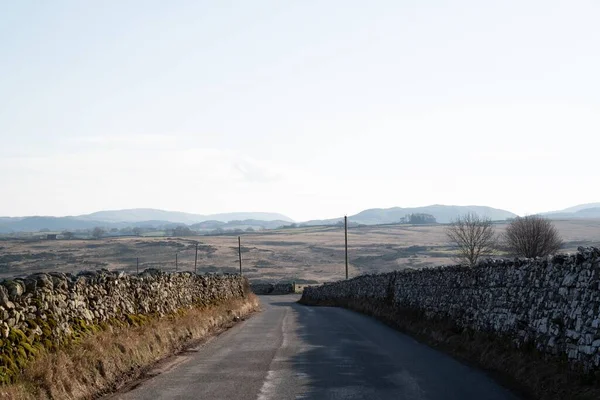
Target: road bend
(290, 351)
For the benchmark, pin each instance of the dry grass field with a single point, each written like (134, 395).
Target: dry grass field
(305, 255)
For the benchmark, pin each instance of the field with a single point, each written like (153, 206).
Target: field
(305, 255)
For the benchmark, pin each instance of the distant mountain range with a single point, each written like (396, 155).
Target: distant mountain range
(138, 217)
(149, 214)
(146, 217)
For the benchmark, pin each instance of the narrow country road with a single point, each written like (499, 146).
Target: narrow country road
(290, 351)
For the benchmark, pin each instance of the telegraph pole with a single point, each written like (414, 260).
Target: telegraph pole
(196, 261)
(240, 252)
(346, 237)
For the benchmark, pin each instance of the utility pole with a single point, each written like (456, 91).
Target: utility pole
(346, 237)
(175, 262)
(137, 265)
(240, 252)
(196, 261)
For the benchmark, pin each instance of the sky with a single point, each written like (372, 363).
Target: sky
(313, 109)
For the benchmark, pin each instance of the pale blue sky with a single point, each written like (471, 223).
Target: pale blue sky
(309, 108)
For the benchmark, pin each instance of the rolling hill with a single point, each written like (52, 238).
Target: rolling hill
(577, 208)
(238, 224)
(148, 217)
(442, 214)
(148, 214)
(141, 214)
(590, 210)
(141, 217)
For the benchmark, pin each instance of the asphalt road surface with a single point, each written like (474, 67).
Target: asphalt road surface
(290, 351)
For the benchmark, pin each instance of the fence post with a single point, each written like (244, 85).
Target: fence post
(346, 240)
(196, 261)
(240, 253)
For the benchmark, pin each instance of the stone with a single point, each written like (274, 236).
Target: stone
(52, 306)
(15, 288)
(553, 303)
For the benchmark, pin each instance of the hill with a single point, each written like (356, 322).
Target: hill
(442, 214)
(589, 210)
(140, 217)
(593, 212)
(238, 224)
(142, 214)
(149, 214)
(257, 216)
(577, 208)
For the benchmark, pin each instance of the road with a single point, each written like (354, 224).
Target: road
(290, 351)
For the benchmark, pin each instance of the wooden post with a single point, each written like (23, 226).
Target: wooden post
(346, 237)
(196, 260)
(175, 262)
(137, 265)
(240, 253)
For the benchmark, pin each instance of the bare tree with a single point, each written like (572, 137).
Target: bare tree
(473, 236)
(532, 236)
(97, 232)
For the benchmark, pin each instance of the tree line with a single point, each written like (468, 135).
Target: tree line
(474, 237)
(418, 219)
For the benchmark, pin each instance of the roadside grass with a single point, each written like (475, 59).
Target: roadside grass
(102, 362)
(526, 371)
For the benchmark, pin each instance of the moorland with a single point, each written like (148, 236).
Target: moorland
(305, 255)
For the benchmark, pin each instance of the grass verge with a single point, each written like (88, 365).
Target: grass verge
(526, 371)
(102, 362)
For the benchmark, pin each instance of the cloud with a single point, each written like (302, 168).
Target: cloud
(257, 171)
(194, 179)
(122, 164)
(131, 140)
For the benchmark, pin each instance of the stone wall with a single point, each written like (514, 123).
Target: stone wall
(552, 304)
(45, 310)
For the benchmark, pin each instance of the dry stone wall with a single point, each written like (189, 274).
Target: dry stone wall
(45, 310)
(552, 304)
